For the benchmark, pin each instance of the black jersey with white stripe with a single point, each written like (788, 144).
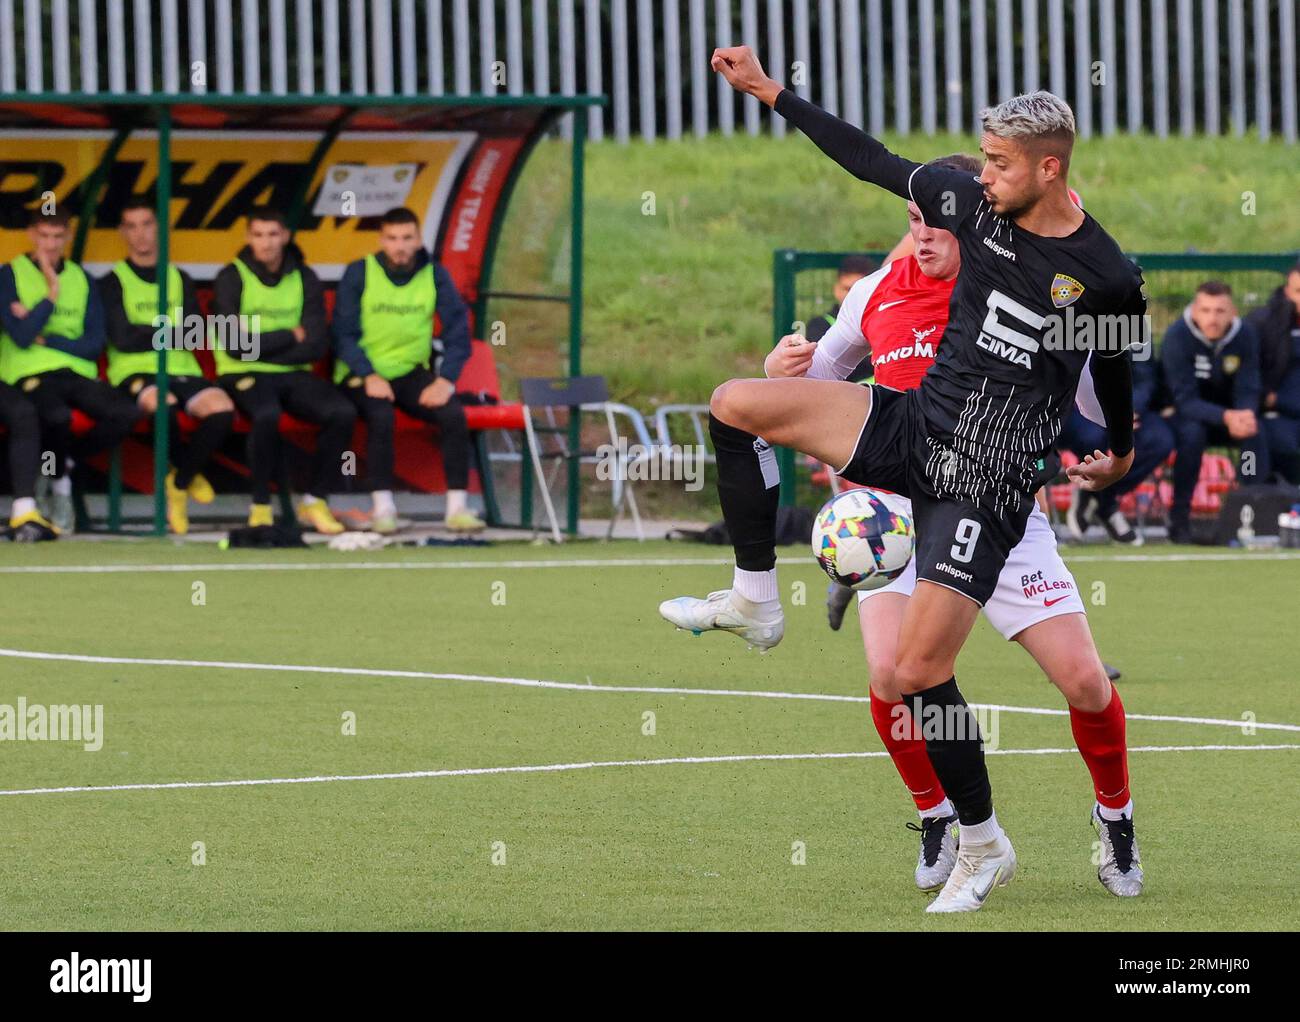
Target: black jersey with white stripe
(1025, 313)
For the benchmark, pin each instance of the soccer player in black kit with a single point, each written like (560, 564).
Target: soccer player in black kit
(1039, 280)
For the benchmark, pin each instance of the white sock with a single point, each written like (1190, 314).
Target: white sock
(306, 498)
(457, 502)
(756, 586)
(383, 504)
(982, 833)
(62, 485)
(944, 808)
(1106, 814)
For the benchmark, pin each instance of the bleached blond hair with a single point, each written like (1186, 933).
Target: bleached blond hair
(1039, 121)
(1029, 116)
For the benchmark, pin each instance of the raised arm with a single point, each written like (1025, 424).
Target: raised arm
(944, 196)
(850, 147)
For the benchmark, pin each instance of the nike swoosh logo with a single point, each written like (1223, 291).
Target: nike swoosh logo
(886, 305)
(981, 895)
(1052, 603)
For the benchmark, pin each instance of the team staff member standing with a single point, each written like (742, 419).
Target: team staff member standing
(271, 373)
(130, 294)
(51, 336)
(383, 328)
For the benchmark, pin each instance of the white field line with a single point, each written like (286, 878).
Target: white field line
(573, 686)
(584, 562)
(563, 767)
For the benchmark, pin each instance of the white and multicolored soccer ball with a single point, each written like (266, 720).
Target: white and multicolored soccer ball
(863, 538)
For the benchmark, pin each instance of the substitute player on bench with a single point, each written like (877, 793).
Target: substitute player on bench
(970, 446)
(130, 294)
(898, 314)
(383, 330)
(51, 337)
(270, 373)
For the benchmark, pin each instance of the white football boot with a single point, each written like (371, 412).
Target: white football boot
(1120, 869)
(979, 869)
(727, 611)
(938, 853)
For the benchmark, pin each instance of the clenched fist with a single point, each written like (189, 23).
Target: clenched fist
(739, 66)
(791, 357)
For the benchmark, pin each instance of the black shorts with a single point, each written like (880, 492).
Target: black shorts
(406, 389)
(962, 542)
(183, 388)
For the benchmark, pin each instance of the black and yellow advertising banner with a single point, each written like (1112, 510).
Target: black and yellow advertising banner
(217, 176)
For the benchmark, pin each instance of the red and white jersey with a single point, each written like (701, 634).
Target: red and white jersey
(896, 315)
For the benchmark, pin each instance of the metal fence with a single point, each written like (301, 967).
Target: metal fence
(1217, 66)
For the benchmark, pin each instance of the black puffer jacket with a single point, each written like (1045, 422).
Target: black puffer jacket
(1274, 323)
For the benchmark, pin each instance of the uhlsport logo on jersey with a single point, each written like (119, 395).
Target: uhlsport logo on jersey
(997, 249)
(1065, 290)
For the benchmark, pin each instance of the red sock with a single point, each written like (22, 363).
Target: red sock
(1101, 742)
(894, 725)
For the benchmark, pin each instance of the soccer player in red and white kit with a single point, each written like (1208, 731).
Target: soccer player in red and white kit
(898, 314)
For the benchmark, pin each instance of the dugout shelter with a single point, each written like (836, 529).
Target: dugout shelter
(204, 159)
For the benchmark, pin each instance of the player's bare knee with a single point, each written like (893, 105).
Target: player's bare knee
(1084, 684)
(916, 672)
(731, 403)
(718, 399)
(884, 681)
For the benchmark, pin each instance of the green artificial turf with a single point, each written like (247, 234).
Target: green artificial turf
(682, 845)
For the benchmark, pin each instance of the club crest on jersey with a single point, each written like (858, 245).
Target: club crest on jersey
(1065, 290)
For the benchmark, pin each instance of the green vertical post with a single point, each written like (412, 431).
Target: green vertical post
(160, 419)
(784, 263)
(525, 485)
(575, 315)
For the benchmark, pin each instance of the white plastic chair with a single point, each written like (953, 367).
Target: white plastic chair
(587, 394)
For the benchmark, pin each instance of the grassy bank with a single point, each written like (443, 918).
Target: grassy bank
(679, 236)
